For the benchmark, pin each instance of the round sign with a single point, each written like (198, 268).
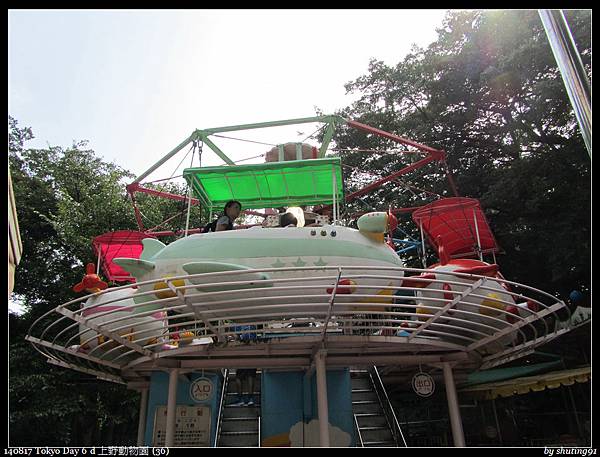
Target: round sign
(201, 389)
(423, 384)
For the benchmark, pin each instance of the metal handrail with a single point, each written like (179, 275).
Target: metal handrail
(388, 409)
(331, 303)
(572, 70)
(362, 444)
(259, 444)
(428, 316)
(220, 412)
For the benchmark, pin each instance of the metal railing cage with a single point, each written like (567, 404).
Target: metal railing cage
(122, 333)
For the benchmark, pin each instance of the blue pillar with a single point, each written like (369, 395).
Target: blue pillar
(159, 385)
(289, 409)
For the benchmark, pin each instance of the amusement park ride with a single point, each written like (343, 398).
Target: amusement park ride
(304, 304)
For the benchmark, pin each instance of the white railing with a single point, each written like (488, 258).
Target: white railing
(222, 400)
(356, 426)
(259, 434)
(222, 316)
(387, 406)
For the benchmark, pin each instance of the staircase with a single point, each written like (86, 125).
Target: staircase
(239, 426)
(373, 426)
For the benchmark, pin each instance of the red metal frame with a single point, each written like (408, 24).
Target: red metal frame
(432, 155)
(136, 187)
(434, 152)
(458, 224)
(382, 181)
(125, 242)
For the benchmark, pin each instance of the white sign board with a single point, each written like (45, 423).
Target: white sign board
(423, 384)
(192, 426)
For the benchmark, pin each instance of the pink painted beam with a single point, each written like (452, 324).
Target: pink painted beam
(135, 187)
(381, 181)
(439, 155)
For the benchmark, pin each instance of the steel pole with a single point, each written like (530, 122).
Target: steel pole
(571, 69)
(455, 421)
(322, 399)
(477, 233)
(142, 420)
(334, 195)
(187, 220)
(171, 408)
(260, 125)
(178, 148)
(423, 261)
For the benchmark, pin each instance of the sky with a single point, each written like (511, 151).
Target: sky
(135, 84)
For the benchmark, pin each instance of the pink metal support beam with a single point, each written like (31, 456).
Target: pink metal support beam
(433, 155)
(179, 214)
(138, 215)
(172, 233)
(450, 179)
(436, 153)
(135, 187)
(381, 181)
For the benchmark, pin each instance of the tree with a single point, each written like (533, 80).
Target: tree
(65, 197)
(489, 93)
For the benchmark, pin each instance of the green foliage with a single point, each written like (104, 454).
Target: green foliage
(489, 93)
(51, 406)
(65, 197)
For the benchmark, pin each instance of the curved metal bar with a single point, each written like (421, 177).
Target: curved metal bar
(388, 405)
(373, 317)
(222, 399)
(358, 431)
(571, 69)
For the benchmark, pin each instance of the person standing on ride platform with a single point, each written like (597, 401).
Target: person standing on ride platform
(244, 378)
(230, 213)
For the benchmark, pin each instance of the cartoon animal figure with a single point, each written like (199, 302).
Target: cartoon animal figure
(487, 308)
(218, 255)
(116, 312)
(91, 282)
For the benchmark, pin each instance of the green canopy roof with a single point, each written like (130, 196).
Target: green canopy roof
(268, 185)
(502, 374)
